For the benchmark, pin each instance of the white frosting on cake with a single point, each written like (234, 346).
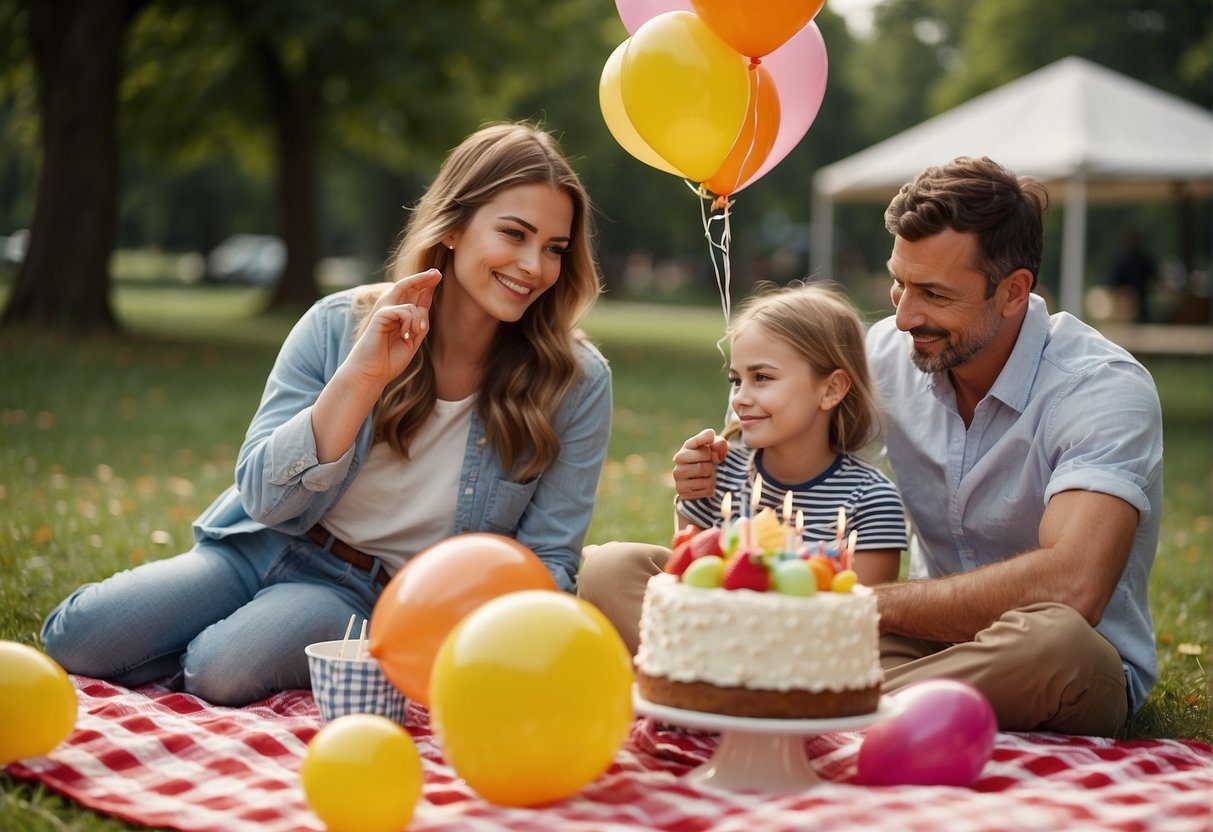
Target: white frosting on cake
(759, 640)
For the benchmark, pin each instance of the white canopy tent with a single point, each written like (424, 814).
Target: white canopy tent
(1089, 133)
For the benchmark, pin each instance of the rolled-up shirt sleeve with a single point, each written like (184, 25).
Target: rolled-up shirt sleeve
(277, 471)
(1107, 432)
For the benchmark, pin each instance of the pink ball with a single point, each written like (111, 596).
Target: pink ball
(943, 736)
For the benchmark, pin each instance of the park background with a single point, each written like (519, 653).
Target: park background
(295, 134)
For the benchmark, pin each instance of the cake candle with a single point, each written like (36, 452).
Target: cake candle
(726, 519)
(852, 538)
(755, 501)
(789, 544)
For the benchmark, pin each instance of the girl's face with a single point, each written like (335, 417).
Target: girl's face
(783, 405)
(510, 252)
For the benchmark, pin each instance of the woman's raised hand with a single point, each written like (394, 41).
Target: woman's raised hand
(398, 323)
(397, 326)
(695, 465)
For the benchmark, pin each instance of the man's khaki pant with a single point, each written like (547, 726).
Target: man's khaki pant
(1042, 667)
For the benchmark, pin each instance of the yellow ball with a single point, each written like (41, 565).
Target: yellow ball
(844, 581)
(531, 697)
(37, 703)
(361, 773)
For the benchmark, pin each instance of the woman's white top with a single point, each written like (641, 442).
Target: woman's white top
(396, 508)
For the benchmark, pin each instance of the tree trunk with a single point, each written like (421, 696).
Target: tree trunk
(64, 281)
(293, 106)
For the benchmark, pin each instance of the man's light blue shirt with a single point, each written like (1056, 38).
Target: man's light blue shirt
(1070, 410)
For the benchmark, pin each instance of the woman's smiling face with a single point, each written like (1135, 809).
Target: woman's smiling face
(510, 253)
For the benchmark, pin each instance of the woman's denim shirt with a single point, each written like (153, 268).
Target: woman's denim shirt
(281, 484)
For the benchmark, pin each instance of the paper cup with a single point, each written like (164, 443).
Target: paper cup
(349, 685)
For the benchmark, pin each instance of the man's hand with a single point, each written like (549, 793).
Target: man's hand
(1085, 538)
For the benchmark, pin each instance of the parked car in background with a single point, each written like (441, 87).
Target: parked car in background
(247, 258)
(13, 247)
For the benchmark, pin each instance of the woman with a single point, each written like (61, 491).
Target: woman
(457, 398)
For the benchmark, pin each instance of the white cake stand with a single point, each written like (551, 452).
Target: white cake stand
(760, 754)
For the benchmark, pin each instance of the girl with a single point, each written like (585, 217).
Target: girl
(801, 407)
(456, 398)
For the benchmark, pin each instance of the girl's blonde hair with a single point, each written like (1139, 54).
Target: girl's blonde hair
(822, 326)
(533, 361)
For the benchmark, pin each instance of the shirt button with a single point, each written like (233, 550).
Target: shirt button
(467, 492)
(480, 442)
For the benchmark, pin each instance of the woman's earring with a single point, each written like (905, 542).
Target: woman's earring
(451, 246)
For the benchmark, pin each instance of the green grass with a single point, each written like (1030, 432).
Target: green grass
(109, 448)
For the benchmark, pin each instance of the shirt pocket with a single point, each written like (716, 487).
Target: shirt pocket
(506, 504)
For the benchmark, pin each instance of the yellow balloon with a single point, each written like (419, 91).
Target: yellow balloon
(531, 697)
(610, 100)
(37, 703)
(685, 91)
(361, 773)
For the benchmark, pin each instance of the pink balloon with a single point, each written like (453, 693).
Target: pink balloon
(943, 736)
(798, 69)
(634, 13)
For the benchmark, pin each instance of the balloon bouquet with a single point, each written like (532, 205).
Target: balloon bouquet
(716, 93)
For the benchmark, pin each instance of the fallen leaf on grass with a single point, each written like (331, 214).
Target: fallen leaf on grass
(1187, 649)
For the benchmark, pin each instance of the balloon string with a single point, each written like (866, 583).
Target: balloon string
(709, 204)
(751, 121)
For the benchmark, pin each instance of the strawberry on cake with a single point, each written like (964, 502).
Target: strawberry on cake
(738, 625)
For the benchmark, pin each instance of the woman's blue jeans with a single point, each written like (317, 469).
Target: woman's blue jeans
(226, 621)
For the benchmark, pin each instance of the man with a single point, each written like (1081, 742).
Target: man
(1028, 450)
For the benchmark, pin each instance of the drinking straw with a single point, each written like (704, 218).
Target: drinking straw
(346, 637)
(362, 641)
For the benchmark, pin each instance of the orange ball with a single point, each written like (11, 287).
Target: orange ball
(434, 591)
(823, 570)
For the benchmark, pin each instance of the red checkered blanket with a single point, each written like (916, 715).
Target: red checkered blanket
(167, 759)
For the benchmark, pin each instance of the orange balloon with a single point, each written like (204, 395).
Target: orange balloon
(756, 138)
(434, 591)
(755, 33)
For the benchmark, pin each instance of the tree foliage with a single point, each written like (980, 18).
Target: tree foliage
(322, 122)
(1165, 43)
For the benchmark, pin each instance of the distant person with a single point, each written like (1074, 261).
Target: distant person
(1028, 450)
(1133, 272)
(457, 398)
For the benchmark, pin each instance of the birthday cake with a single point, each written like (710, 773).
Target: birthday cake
(739, 625)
